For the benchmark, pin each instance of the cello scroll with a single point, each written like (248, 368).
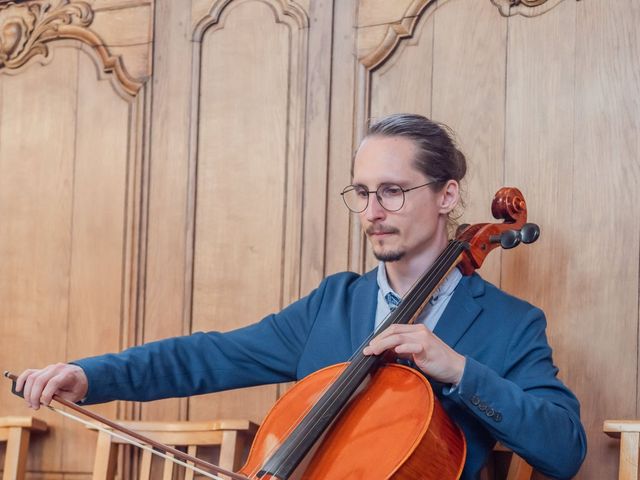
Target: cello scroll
(509, 205)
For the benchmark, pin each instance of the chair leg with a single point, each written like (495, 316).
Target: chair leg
(629, 444)
(228, 449)
(191, 450)
(167, 473)
(16, 454)
(104, 466)
(519, 469)
(145, 465)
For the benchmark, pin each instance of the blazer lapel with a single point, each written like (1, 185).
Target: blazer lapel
(462, 310)
(363, 309)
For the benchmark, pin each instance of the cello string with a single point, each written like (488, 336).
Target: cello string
(447, 257)
(133, 442)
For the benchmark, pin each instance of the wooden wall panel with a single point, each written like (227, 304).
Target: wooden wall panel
(242, 195)
(36, 206)
(66, 197)
(540, 160)
(606, 177)
(403, 84)
(561, 157)
(341, 137)
(539, 153)
(71, 155)
(99, 232)
(468, 96)
(167, 262)
(316, 152)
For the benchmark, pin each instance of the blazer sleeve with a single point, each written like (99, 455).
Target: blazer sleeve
(265, 352)
(527, 407)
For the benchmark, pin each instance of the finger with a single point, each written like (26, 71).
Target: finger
(32, 390)
(23, 378)
(26, 391)
(403, 329)
(40, 380)
(406, 327)
(51, 388)
(381, 344)
(409, 349)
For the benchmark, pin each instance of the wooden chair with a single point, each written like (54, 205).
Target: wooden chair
(16, 431)
(628, 431)
(518, 468)
(230, 435)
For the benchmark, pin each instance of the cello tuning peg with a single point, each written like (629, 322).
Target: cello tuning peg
(461, 228)
(509, 239)
(529, 233)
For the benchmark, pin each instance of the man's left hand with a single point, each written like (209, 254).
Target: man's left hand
(428, 352)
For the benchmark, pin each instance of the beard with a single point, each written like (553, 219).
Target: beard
(384, 256)
(392, 256)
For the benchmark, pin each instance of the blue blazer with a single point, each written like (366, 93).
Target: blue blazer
(509, 390)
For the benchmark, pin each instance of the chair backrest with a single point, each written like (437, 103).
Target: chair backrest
(628, 431)
(230, 435)
(16, 431)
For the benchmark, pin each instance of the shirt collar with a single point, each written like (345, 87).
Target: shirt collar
(383, 281)
(445, 289)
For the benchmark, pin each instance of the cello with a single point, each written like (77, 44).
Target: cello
(370, 418)
(373, 418)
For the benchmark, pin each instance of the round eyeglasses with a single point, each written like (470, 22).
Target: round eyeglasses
(390, 196)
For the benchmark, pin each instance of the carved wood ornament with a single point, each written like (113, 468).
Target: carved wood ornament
(27, 27)
(404, 28)
(526, 8)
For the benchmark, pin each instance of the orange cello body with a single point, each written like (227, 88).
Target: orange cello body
(393, 428)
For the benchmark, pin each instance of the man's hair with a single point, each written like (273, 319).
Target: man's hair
(437, 157)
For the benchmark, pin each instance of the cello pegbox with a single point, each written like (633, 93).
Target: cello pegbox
(508, 205)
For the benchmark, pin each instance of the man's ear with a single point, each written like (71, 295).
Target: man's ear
(449, 196)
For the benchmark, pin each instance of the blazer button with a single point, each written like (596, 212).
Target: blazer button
(482, 407)
(497, 417)
(475, 400)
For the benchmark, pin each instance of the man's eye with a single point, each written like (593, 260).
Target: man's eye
(361, 192)
(391, 191)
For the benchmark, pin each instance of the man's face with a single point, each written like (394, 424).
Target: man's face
(420, 223)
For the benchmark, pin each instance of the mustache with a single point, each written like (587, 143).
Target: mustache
(374, 229)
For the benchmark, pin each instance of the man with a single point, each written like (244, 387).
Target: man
(484, 351)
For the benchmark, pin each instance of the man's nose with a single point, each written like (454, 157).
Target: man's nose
(374, 210)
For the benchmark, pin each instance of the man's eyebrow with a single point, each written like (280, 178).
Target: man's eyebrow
(387, 182)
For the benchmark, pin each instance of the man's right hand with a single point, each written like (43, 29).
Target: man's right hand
(62, 379)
